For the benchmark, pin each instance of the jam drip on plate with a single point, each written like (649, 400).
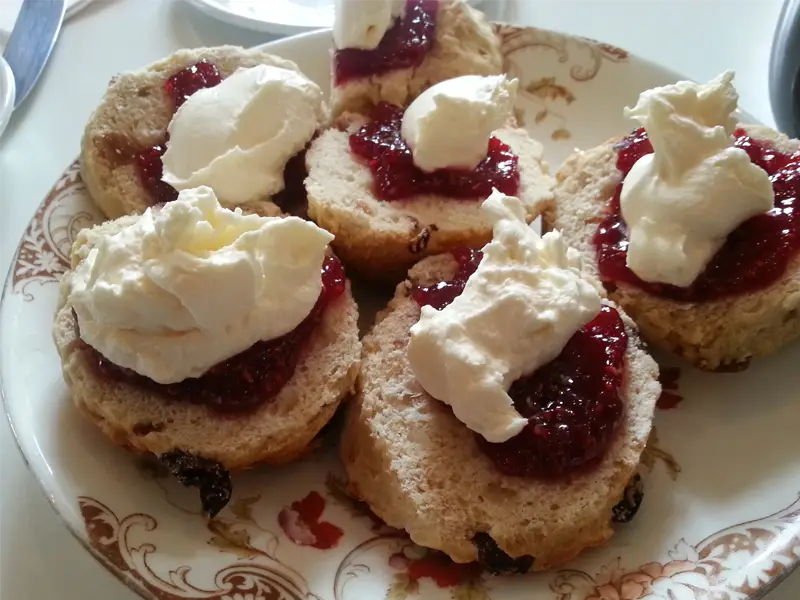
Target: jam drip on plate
(404, 45)
(252, 377)
(572, 404)
(381, 145)
(755, 254)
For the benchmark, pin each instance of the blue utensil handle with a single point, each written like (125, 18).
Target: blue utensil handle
(784, 70)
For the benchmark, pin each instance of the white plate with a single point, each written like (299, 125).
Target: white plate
(10, 8)
(281, 17)
(720, 518)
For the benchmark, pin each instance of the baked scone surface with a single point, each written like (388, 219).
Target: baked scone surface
(464, 44)
(382, 239)
(724, 333)
(420, 469)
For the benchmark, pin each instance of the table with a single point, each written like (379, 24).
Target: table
(38, 558)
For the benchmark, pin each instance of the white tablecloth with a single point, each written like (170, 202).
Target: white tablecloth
(38, 558)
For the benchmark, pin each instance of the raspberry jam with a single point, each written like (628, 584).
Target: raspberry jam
(381, 145)
(443, 293)
(150, 171)
(404, 45)
(180, 86)
(252, 377)
(755, 254)
(192, 79)
(572, 404)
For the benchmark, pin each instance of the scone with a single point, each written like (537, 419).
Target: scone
(382, 225)
(450, 39)
(126, 136)
(264, 404)
(743, 305)
(421, 469)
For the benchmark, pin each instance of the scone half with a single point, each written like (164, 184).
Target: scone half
(381, 239)
(420, 469)
(133, 116)
(716, 335)
(277, 431)
(465, 44)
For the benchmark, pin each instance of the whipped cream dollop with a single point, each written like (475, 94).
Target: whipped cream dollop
(519, 309)
(180, 289)
(681, 202)
(448, 126)
(361, 24)
(238, 136)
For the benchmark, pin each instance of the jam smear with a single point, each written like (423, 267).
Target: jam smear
(250, 378)
(755, 254)
(186, 82)
(179, 86)
(442, 293)
(572, 403)
(404, 44)
(381, 145)
(293, 199)
(150, 171)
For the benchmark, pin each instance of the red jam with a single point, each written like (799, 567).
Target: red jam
(381, 145)
(192, 79)
(252, 377)
(442, 293)
(572, 404)
(755, 254)
(404, 45)
(180, 86)
(151, 170)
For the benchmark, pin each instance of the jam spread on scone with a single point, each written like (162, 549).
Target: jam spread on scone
(180, 87)
(186, 82)
(151, 169)
(252, 377)
(204, 304)
(572, 404)
(404, 44)
(381, 145)
(443, 144)
(703, 211)
(754, 256)
(566, 399)
(223, 157)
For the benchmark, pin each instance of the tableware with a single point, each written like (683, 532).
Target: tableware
(32, 39)
(720, 518)
(784, 69)
(280, 17)
(10, 8)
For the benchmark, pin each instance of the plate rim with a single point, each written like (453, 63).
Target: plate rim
(80, 536)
